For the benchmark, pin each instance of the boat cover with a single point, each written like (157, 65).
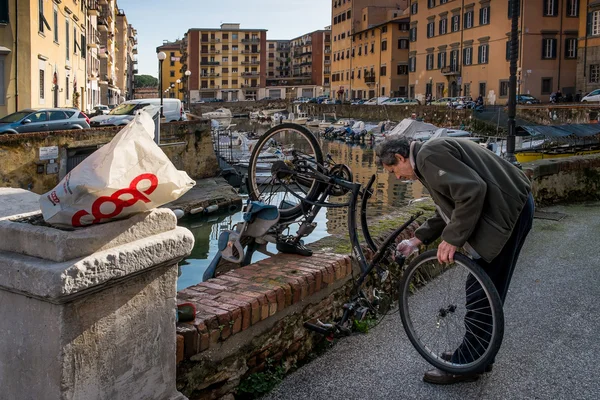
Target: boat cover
(578, 130)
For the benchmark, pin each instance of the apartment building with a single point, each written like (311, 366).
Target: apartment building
(125, 52)
(459, 48)
(348, 17)
(42, 54)
(379, 59)
(110, 93)
(172, 70)
(588, 51)
(93, 60)
(228, 63)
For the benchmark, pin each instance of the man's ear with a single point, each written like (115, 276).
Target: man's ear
(400, 158)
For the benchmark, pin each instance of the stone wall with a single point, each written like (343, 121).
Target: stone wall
(569, 179)
(187, 144)
(240, 107)
(559, 114)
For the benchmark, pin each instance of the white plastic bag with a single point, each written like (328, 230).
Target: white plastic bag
(131, 174)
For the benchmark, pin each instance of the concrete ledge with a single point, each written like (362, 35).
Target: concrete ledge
(59, 245)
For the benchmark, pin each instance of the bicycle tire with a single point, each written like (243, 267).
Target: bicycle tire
(495, 303)
(286, 214)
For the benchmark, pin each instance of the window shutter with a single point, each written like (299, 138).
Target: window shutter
(508, 50)
(554, 42)
(589, 23)
(440, 28)
(479, 54)
(465, 21)
(555, 8)
(439, 61)
(544, 48)
(464, 56)
(489, 15)
(481, 16)
(83, 46)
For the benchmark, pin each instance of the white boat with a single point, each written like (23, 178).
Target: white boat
(344, 122)
(313, 123)
(218, 114)
(327, 122)
(301, 119)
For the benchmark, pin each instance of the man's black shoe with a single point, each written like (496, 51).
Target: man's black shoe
(294, 248)
(447, 356)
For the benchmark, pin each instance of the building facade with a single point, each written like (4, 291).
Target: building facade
(125, 51)
(588, 52)
(349, 17)
(229, 63)
(380, 60)
(43, 61)
(172, 70)
(93, 60)
(110, 94)
(463, 49)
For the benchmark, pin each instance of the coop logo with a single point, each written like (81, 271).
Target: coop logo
(53, 198)
(119, 200)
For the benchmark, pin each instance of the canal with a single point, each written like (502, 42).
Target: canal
(389, 194)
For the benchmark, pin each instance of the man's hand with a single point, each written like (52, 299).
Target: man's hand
(446, 252)
(407, 247)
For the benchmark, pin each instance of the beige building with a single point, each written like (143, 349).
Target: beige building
(43, 62)
(93, 60)
(462, 49)
(348, 18)
(229, 63)
(125, 55)
(588, 52)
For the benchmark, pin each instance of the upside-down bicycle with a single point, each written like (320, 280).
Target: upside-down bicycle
(452, 313)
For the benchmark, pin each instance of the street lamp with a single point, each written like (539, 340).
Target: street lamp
(178, 89)
(161, 57)
(512, 85)
(188, 73)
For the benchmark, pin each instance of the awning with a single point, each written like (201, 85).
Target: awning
(578, 130)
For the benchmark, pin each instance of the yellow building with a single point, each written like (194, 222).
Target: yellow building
(172, 70)
(461, 48)
(588, 53)
(380, 59)
(43, 63)
(349, 17)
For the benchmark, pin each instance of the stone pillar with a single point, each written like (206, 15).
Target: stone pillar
(90, 313)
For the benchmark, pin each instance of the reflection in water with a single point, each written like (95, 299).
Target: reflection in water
(389, 194)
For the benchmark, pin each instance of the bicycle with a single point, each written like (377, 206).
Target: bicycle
(477, 335)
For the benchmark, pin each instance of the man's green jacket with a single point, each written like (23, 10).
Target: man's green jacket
(479, 194)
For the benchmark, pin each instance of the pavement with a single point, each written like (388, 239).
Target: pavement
(552, 333)
(17, 202)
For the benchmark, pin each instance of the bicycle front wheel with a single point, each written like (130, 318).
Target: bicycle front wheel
(451, 313)
(279, 170)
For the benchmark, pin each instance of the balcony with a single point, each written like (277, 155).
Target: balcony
(326, 84)
(251, 40)
(102, 24)
(93, 8)
(210, 75)
(283, 48)
(250, 63)
(103, 52)
(210, 63)
(369, 79)
(250, 74)
(212, 51)
(327, 51)
(250, 87)
(213, 87)
(95, 40)
(257, 51)
(327, 62)
(134, 50)
(135, 71)
(304, 64)
(284, 68)
(450, 71)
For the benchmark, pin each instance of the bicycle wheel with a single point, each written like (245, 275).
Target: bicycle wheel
(452, 313)
(278, 170)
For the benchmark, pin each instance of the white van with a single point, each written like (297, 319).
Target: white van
(124, 112)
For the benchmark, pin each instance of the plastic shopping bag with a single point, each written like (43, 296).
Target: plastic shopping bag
(131, 174)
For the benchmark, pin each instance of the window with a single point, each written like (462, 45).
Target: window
(510, 5)
(594, 73)
(234, 81)
(431, 29)
(484, 16)
(429, 62)
(454, 60)
(548, 49)
(172, 74)
(412, 64)
(349, 14)
(372, 47)
(482, 89)
(404, 27)
(402, 44)
(467, 89)
(75, 44)
(430, 3)
(413, 34)
(42, 84)
(234, 36)
(67, 37)
(383, 70)
(570, 48)
(572, 8)
(468, 20)
(233, 58)
(550, 8)
(503, 88)
(455, 23)
(55, 24)
(441, 60)
(42, 22)
(66, 90)
(172, 63)
(3, 20)
(483, 53)
(443, 26)
(83, 46)
(384, 29)
(468, 56)
(402, 69)
(546, 85)
(414, 8)
(384, 45)
(594, 23)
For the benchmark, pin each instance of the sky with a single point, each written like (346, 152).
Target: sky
(160, 20)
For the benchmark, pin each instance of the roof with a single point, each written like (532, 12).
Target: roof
(578, 130)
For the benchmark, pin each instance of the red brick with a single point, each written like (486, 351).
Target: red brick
(287, 288)
(191, 339)
(245, 308)
(280, 299)
(213, 291)
(272, 298)
(180, 344)
(208, 318)
(296, 292)
(251, 363)
(236, 317)
(210, 285)
(227, 277)
(201, 327)
(204, 342)
(222, 282)
(214, 336)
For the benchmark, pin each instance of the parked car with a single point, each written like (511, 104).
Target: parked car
(100, 110)
(124, 112)
(42, 120)
(394, 101)
(527, 99)
(376, 100)
(592, 96)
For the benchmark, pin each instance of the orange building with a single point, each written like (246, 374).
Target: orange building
(461, 48)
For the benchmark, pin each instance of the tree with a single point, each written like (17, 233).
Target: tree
(145, 81)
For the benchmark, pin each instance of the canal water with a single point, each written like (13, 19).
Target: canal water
(389, 194)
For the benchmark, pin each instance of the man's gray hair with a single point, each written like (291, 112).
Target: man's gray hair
(386, 151)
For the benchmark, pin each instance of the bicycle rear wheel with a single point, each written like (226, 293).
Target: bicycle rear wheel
(452, 313)
(279, 170)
